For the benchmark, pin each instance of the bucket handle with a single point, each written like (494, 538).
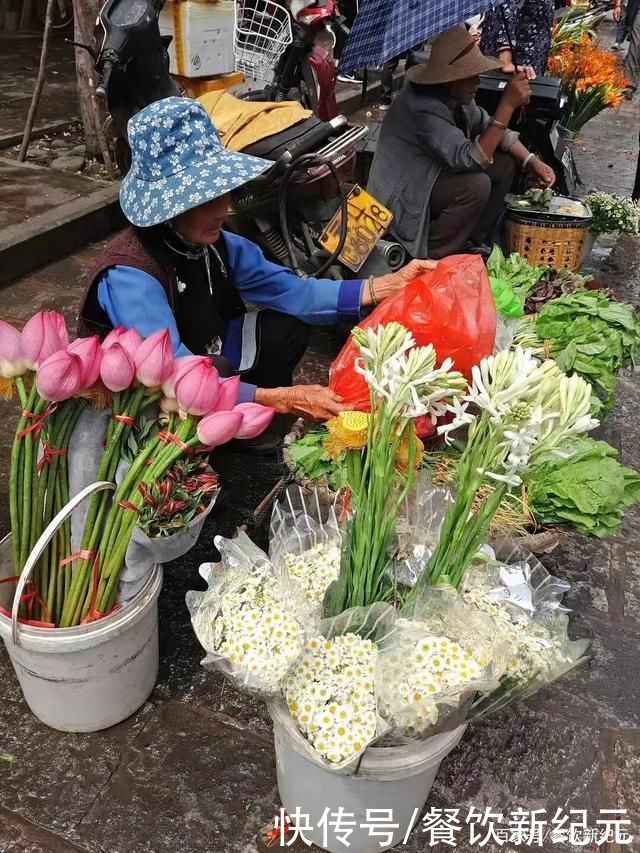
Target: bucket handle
(46, 537)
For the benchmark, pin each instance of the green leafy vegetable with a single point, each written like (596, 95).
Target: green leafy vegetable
(592, 336)
(590, 491)
(310, 459)
(512, 280)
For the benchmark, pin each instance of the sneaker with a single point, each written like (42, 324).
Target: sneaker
(352, 77)
(629, 92)
(384, 105)
(616, 46)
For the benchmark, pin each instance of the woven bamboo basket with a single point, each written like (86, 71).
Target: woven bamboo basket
(544, 242)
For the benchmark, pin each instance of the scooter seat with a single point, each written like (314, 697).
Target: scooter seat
(302, 138)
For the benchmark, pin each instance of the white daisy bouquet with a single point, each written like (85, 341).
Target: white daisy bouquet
(305, 542)
(331, 691)
(519, 410)
(252, 621)
(441, 653)
(614, 213)
(520, 603)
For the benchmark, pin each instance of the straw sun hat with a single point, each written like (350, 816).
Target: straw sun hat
(454, 56)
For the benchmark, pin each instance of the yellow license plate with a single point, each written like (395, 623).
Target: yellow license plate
(367, 220)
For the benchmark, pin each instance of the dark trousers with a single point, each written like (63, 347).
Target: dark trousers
(465, 206)
(282, 341)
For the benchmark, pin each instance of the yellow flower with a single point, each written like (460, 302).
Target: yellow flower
(348, 431)
(402, 459)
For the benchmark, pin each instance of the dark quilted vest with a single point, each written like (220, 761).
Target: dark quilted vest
(201, 309)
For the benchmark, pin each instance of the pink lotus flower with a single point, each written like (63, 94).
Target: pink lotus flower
(180, 366)
(117, 369)
(43, 335)
(196, 386)
(228, 394)
(219, 428)
(129, 339)
(255, 419)
(12, 359)
(60, 376)
(154, 360)
(90, 354)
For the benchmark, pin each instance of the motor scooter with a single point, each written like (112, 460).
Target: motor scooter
(289, 56)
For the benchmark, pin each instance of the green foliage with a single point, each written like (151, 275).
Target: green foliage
(590, 491)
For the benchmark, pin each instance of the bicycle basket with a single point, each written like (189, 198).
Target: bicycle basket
(261, 34)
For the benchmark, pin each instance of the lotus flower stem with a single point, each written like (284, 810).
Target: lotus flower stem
(95, 516)
(15, 485)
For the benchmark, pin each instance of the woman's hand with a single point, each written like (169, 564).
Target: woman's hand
(306, 401)
(387, 285)
(529, 72)
(544, 175)
(617, 13)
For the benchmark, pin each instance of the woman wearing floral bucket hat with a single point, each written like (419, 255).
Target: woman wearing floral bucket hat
(177, 268)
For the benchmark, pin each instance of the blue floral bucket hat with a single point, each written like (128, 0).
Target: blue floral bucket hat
(178, 162)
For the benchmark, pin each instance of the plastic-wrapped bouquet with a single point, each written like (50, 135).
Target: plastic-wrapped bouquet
(248, 621)
(612, 213)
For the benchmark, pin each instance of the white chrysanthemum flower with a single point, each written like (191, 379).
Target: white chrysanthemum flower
(337, 714)
(420, 673)
(315, 569)
(251, 628)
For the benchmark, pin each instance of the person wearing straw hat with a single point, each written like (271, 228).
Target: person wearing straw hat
(443, 165)
(175, 268)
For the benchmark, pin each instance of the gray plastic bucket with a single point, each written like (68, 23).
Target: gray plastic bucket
(90, 677)
(396, 778)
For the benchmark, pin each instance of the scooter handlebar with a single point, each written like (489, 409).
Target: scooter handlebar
(103, 87)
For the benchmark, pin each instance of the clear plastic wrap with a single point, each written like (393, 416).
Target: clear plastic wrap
(440, 655)
(305, 541)
(418, 527)
(331, 691)
(252, 620)
(522, 602)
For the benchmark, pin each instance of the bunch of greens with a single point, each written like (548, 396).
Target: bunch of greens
(310, 459)
(512, 281)
(590, 490)
(614, 213)
(557, 283)
(535, 199)
(589, 334)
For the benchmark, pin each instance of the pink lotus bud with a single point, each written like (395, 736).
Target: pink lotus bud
(60, 376)
(117, 369)
(12, 359)
(196, 386)
(130, 339)
(180, 366)
(89, 352)
(228, 394)
(154, 359)
(43, 335)
(219, 428)
(255, 419)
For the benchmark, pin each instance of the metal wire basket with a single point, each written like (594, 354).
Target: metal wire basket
(261, 34)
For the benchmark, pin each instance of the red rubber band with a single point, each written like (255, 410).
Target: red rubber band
(36, 426)
(171, 438)
(124, 419)
(93, 615)
(49, 453)
(79, 555)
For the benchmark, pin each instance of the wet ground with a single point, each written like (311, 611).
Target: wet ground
(194, 769)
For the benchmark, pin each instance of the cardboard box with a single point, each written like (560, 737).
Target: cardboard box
(196, 86)
(202, 37)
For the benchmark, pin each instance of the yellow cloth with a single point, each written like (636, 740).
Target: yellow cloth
(241, 123)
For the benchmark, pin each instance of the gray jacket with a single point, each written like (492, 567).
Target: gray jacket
(419, 139)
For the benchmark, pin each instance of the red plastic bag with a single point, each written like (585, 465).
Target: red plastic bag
(450, 307)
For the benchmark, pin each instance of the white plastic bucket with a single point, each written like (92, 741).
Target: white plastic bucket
(90, 677)
(395, 778)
